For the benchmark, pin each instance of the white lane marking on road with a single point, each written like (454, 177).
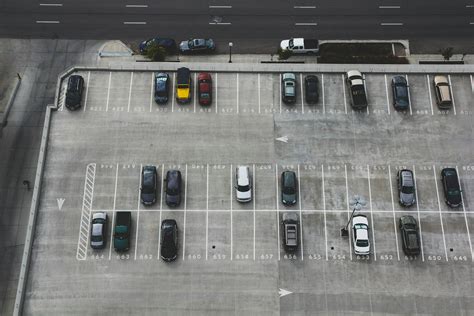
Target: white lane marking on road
(300, 202)
(472, 83)
(344, 93)
(237, 93)
(393, 210)
(409, 98)
(469, 6)
(306, 24)
(220, 23)
(301, 86)
(185, 207)
(108, 92)
(87, 90)
(465, 216)
(220, 7)
(324, 209)
(391, 24)
(136, 6)
(134, 22)
(386, 94)
(429, 93)
(51, 4)
(371, 213)
(138, 210)
(440, 216)
(152, 90)
(259, 101)
(207, 207)
(304, 7)
(348, 211)
(277, 209)
(113, 210)
(323, 95)
(87, 199)
(231, 223)
(280, 94)
(130, 92)
(283, 292)
(254, 198)
(389, 7)
(195, 92)
(215, 86)
(47, 22)
(418, 213)
(452, 94)
(174, 92)
(471, 23)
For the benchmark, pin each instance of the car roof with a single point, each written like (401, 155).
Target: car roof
(289, 75)
(97, 229)
(243, 175)
(183, 74)
(289, 177)
(290, 217)
(352, 73)
(360, 219)
(204, 75)
(441, 79)
(399, 79)
(407, 177)
(172, 177)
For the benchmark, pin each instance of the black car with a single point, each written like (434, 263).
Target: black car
(400, 93)
(173, 188)
(75, 86)
(406, 187)
(311, 90)
(197, 45)
(162, 87)
(410, 236)
(288, 188)
(149, 185)
(169, 240)
(167, 43)
(452, 191)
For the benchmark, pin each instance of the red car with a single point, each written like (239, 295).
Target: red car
(205, 88)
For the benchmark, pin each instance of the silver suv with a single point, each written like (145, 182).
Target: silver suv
(243, 184)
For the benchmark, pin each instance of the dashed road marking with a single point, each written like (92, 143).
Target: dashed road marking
(87, 200)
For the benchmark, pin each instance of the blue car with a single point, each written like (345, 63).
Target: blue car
(167, 43)
(162, 86)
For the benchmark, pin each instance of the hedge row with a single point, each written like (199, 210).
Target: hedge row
(356, 49)
(347, 59)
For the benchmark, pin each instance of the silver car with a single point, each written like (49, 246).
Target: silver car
(243, 184)
(98, 230)
(406, 187)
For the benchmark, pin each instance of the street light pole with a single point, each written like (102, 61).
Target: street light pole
(230, 51)
(357, 202)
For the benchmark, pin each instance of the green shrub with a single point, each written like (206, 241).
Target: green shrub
(284, 54)
(155, 52)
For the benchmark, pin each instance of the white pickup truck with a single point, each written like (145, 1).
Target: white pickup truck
(301, 45)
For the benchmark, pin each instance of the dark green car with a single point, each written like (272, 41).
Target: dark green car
(288, 188)
(123, 226)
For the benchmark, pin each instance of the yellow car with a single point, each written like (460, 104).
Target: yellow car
(183, 85)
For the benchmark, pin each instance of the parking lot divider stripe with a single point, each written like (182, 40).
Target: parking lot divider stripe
(254, 198)
(215, 92)
(237, 81)
(259, 94)
(207, 207)
(301, 86)
(440, 216)
(185, 204)
(409, 98)
(452, 94)
(231, 223)
(138, 209)
(324, 210)
(195, 85)
(344, 93)
(386, 94)
(371, 213)
(83, 240)
(323, 94)
(280, 94)
(464, 212)
(393, 210)
(348, 209)
(300, 201)
(277, 210)
(113, 211)
(472, 83)
(429, 93)
(418, 212)
(87, 90)
(161, 208)
(130, 92)
(173, 99)
(151, 90)
(108, 92)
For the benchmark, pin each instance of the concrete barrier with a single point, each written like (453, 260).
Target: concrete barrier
(4, 121)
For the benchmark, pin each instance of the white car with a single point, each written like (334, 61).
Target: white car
(360, 236)
(243, 184)
(98, 230)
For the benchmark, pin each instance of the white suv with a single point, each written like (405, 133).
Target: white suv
(243, 184)
(360, 236)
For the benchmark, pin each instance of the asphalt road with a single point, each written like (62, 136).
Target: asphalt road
(245, 22)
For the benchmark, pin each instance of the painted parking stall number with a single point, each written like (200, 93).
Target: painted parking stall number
(242, 256)
(145, 257)
(266, 256)
(194, 257)
(290, 257)
(315, 257)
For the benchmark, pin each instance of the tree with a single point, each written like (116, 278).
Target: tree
(155, 52)
(284, 54)
(447, 53)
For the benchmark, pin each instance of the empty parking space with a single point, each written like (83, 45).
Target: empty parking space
(248, 93)
(127, 187)
(147, 235)
(377, 90)
(98, 91)
(334, 94)
(104, 186)
(141, 93)
(420, 94)
(120, 91)
(269, 93)
(462, 94)
(227, 93)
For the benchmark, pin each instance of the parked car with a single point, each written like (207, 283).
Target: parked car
(205, 88)
(401, 100)
(99, 230)
(410, 237)
(443, 92)
(197, 45)
(301, 45)
(173, 183)
(183, 85)
(122, 231)
(360, 236)
(75, 86)
(288, 188)
(357, 90)
(149, 185)
(167, 43)
(162, 87)
(169, 240)
(406, 187)
(243, 184)
(452, 190)
(311, 89)
(289, 87)
(290, 230)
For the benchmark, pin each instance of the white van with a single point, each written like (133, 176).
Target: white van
(243, 184)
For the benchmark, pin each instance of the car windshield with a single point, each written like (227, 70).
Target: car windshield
(183, 86)
(453, 192)
(205, 95)
(360, 226)
(96, 238)
(288, 190)
(243, 188)
(362, 243)
(408, 190)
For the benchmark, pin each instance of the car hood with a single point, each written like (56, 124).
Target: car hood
(120, 243)
(289, 198)
(168, 252)
(184, 45)
(148, 198)
(97, 243)
(362, 250)
(172, 199)
(455, 199)
(244, 195)
(407, 198)
(284, 44)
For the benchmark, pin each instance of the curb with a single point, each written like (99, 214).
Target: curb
(127, 53)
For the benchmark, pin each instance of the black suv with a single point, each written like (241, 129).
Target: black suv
(173, 188)
(290, 227)
(400, 93)
(75, 86)
(149, 184)
(311, 92)
(410, 237)
(169, 240)
(452, 191)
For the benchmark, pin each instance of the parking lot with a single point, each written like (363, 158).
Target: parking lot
(231, 258)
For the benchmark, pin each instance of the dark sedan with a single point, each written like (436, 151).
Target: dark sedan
(406, 187)
(288, 188)
(198, 45)
(149, 185)
(162, 87)
(410, 236)
(452, 190)
(173, 183)
(167, 43)
(401, 100)
(169, 240)
(311, 90)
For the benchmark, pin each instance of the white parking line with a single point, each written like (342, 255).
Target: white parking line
(371, 213)
(161, 209)
(138, 211)
(349, 211)
(231, 223)
(386, 94)
(472, 83)
(220, 7)
(304, 7)
(136, 6)
(465, 216)
(134, 22)
(409, 98)
(207, 207)
(113, 213)
(393, 210)
(51, 4)
(47, 22)
(254, 198)
(195, 92)
(344, 93)
(185, 207)
(324, 209)
(152, 90)
(237, 93)
(258, 85)
(391, 24)
(323, 95)
(452, 94)
(389, 7)
(108, 92)
(429, 93)
(300, 200)
(130, 93)
(301, 86)
(306, 24)
(418, 213)
(277, 208)
(440, 216)
(215, 86)
(280, 94)
(220, 23)
(87, 90)
(174, 91)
